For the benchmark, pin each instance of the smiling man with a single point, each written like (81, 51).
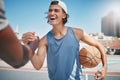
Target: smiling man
(61, 45)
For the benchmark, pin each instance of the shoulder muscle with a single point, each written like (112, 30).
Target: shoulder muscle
(78, 32)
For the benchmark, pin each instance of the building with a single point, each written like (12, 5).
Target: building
(104, 25)
(110, 25)
(118, 27)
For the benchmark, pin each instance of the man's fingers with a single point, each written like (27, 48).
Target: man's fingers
(28, 37)
(98, 75)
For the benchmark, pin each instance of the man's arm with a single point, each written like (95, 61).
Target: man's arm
(82, 35)
(11, 50)
(91, 41)
(38, 58)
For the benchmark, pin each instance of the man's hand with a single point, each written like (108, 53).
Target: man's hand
(29, 37)
(100, 74)
(31, 42)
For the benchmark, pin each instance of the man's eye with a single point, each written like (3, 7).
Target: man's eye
(50, 10)
(56, 10)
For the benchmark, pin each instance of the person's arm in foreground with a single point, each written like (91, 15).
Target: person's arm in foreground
(11, 50)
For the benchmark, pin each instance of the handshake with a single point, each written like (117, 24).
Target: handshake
(29, 37)
(30, 41)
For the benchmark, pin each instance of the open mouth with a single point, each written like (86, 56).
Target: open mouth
(52, 18)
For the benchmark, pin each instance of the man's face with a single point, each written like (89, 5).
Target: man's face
(55, 15)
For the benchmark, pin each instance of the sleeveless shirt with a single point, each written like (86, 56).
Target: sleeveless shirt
(3, 21)
(62, 57)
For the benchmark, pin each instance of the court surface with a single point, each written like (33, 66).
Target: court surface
(28, 73)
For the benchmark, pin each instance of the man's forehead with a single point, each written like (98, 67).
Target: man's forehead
(55, 7)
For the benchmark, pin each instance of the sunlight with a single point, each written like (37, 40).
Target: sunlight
(115, 9)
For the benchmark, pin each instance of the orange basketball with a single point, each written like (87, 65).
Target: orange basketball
(89, 56)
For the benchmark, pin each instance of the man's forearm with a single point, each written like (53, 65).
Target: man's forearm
(28, 52)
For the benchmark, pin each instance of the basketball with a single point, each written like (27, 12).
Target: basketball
(89, 56)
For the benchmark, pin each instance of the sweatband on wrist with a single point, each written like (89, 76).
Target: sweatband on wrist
(25, 58)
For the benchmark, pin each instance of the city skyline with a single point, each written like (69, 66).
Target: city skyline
(30, 15)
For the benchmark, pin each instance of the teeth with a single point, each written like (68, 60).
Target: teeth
(52, 18)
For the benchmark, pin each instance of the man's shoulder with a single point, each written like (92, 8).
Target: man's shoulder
(76, 30)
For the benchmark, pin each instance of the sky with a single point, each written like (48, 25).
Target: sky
(30, 15)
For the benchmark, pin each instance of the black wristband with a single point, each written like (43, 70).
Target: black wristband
(25, 54)
(25, 57)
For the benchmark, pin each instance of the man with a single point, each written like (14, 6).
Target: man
(61, 45)
(11, 50)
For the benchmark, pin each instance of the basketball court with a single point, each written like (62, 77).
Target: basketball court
(27, 73)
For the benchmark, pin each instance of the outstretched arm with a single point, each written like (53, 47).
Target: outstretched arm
(39, 57)
(11, 50)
